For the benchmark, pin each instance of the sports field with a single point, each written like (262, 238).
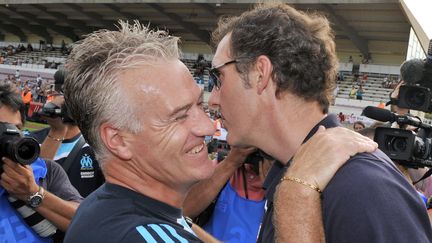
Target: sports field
(31, 126)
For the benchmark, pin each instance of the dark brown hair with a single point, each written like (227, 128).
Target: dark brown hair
(300, 46)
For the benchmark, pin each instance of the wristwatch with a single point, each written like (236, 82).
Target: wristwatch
(36, 198)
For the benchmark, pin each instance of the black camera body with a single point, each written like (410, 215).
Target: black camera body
(415, 98)
(23, 150)
(50, 110)
(416, 94)
(53, 111)
(404, 146)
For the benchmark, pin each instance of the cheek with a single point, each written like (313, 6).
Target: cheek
(170, 139)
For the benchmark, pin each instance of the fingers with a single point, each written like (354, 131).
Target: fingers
(11, 168)
(19, 177)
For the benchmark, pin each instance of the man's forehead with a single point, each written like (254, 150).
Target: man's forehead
(10, 116)
(183, 99)
(223, 51)
(163, 86)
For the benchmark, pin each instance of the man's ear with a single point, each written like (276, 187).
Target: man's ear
(264, 69)
(114, 140)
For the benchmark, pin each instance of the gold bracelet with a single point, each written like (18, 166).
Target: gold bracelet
(56, 139)
(298, 180)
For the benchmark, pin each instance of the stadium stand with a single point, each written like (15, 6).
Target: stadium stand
(373, 88)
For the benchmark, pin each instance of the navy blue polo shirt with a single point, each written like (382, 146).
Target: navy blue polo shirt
(117, 214)
(368, 200)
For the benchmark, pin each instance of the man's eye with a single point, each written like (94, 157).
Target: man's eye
(181, 117)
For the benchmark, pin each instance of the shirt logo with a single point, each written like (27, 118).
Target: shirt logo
(86, 162)
(87, 170)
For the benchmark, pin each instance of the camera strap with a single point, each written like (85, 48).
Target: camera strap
(71, 157)
(426, 175)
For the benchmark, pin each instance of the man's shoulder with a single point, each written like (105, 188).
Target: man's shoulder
(369, 180)
(373, 167)
(119, 220)
(133, 231)
(371, 199)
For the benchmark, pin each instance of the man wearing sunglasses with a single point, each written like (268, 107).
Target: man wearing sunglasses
(274, 70)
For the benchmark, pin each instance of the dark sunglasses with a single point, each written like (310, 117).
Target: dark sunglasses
(215, 73)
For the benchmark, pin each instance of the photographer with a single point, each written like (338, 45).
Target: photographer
(413, 72)
(42, 189)
(63, 142)
(408, 141)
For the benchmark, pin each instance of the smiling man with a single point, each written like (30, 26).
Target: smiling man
(122, 89)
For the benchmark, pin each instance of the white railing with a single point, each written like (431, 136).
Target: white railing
(382, 69)
(345, 66)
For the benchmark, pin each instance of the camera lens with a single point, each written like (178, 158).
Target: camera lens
(416, 98)
(25, 150)
(398, 144)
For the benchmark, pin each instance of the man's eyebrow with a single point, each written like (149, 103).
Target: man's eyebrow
(180, 109)
(186, 107)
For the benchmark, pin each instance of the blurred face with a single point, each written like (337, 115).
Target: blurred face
(235, 101)
(358, 127)
(395, 95)
(10, 116)
(170, 147)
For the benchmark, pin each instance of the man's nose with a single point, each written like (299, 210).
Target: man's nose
(214, 98)
(204, 126)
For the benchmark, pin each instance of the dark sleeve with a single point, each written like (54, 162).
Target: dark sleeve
(369, 200)
(58, 183)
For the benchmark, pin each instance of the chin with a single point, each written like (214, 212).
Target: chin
(207, 171)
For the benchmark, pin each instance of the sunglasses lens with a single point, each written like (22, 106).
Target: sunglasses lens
(214, 73)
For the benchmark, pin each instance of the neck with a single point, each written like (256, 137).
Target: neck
(125, 174)
(287, 124)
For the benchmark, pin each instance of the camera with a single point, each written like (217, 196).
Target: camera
(415, 98)
(404, 146)
(53, 111)
(50, 110)
(416, 94)
(408, 148)
(23, 150)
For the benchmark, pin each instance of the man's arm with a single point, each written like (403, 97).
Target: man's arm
(203, 193)
(57, 210)
(19, 181)
(298, 216)
(54, 138)
(56, 133)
